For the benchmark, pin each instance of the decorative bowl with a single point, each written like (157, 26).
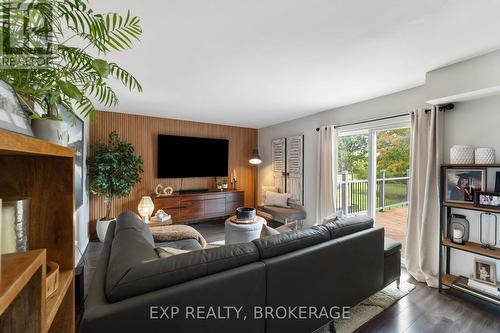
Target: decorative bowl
(245, 213)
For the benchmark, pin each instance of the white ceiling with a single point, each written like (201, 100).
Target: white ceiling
(255, 63)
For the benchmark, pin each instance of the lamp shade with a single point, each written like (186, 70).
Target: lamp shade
(255, 157)
(146, 207)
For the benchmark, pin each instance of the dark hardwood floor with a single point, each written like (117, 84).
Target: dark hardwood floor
(423, 310)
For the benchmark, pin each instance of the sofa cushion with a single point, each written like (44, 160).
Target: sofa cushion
(182, 244)
(128, 249)
(147, 276)
(276, 245)
(345, 226)
(130, 220)
(391, 247)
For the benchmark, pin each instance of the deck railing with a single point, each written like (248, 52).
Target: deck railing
(352, 194)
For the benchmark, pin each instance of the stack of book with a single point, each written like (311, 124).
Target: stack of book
(485, 288)
(161, 218)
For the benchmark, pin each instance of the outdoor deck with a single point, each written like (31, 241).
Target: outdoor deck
(394, 221)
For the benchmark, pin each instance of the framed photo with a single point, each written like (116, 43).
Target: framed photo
(461, 184)
(13, 116)
(487, 200)
(76, 141)
(485, 272)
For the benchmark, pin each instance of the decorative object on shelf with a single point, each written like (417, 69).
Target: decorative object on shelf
(219, 186)
(485, 288)
(76, 136)
(146, 207)
(255, 159)
(52, 130)
(497, 182)
(234, 179)
(161, 216)
(462, 155)
(485, 272)
(161, 191)
(245, 213)
(13, 116)
(461, 184)
(52, 278)
(15, 220)
(459, 229)
(113, 170)
(485, 156)
(488, 230)
(487, 200)
(225, 185)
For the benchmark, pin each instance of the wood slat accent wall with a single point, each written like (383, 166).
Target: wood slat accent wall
(142, 131)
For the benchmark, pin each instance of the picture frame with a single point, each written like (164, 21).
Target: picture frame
(487, 200)
(13, 115)
(497, 182)
(76, 133)
(462, 184)
(485, 272)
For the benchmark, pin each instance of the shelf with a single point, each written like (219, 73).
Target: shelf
(55, 300)
(12, 143)
(448, 280)
(17, 271)
(473, 248)
(469, 166)
(460, 283)
(470, 207)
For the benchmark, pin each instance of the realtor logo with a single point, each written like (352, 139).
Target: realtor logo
(26, 33)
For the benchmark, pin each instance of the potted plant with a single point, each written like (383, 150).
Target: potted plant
(113, 170)
(59, 39)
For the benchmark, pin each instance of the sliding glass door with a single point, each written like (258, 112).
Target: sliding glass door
(373, 164)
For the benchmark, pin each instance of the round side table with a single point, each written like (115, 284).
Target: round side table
(243, 232)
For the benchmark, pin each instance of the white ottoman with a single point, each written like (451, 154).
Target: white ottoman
(243, 232)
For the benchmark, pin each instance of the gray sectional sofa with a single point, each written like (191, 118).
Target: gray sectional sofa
(332, 265)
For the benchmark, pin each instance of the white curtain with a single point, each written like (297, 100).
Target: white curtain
(422, 237)
(326, 171)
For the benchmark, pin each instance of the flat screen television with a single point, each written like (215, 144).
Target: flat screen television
(183, 156)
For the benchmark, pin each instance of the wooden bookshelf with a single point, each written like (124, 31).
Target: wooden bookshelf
(470, 207)
(44, 172)
(460, 283)
(473, 248)
(471, 166)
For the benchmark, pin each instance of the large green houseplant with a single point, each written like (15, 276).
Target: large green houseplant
(113, 170)
(62, 39)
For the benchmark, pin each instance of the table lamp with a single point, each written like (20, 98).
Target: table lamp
(146, 208)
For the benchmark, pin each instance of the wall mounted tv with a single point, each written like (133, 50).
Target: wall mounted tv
(182, 157)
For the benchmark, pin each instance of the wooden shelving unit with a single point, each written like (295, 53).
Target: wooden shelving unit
(445, 244)
(44, 172)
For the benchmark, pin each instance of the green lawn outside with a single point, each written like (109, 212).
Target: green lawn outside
(395, 193)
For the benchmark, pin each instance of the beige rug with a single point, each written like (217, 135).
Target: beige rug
(370, 308)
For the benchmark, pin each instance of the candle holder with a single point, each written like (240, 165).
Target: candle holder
(458, 222)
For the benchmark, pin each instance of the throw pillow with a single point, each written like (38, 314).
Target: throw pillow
(264, 190)
(267, 231)
(166, 252)
(332, 217)
(277, 199)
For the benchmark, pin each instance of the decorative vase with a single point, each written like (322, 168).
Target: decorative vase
(102, 227)
(462, 155)
(485, 156)
(54, 131)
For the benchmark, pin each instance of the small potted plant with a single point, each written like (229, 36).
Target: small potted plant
(113, 170)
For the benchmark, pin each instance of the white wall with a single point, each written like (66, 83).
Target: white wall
(389, 105)
(82, 214)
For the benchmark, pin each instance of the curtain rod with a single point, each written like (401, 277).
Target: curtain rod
(442, 108)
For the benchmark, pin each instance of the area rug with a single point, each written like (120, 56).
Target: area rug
(370, 308)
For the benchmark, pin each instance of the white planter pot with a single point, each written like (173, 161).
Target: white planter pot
(54, 131)
(485, 156)
(102, 228)
(462, 155)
